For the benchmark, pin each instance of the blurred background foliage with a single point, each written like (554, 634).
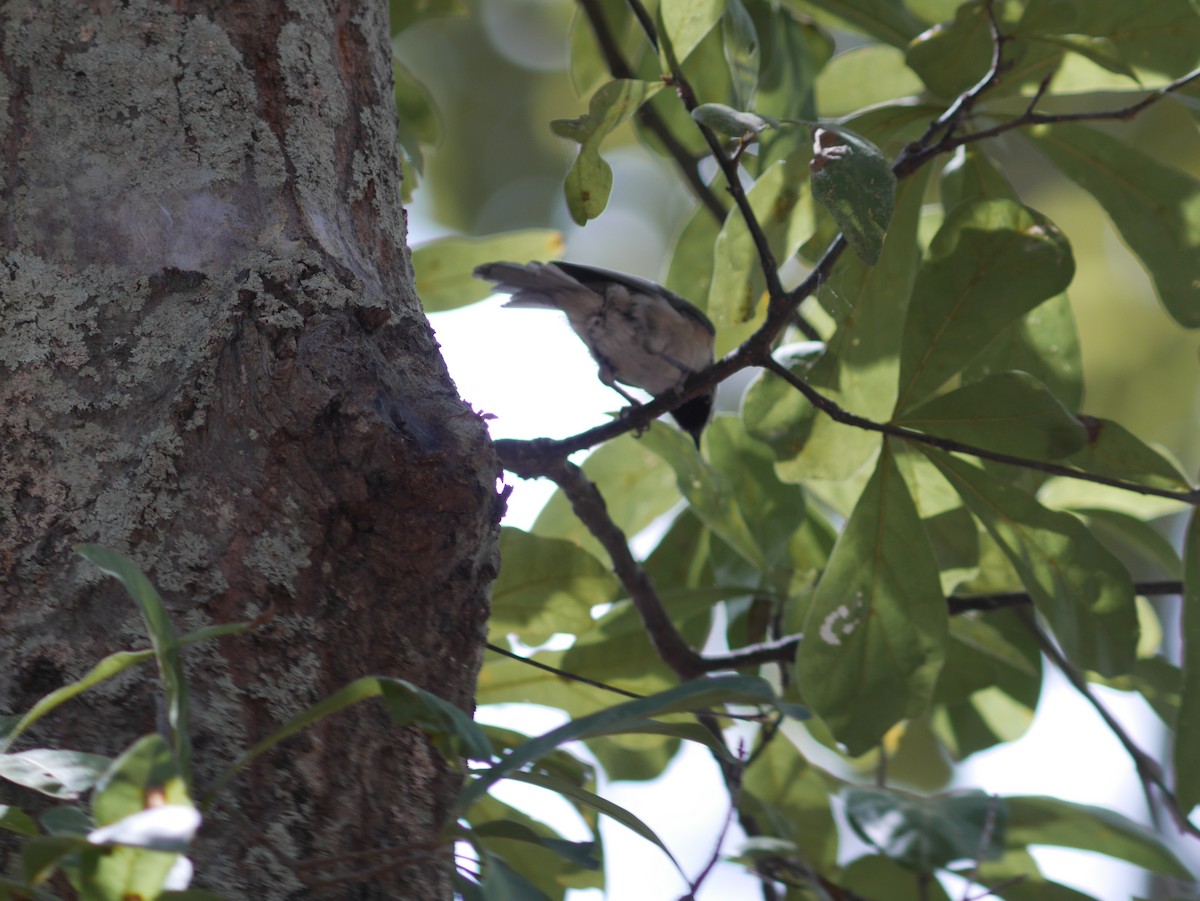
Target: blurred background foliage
(495, 72)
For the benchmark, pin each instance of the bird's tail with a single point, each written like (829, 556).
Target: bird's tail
(534, 284)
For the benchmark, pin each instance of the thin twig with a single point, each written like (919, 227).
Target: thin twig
(619, 67)
(604, 686)
(783, 650)
(840, 414)
(1148, 769)
(981, 850)
(573, 677)
(918, 156)
(735, 791)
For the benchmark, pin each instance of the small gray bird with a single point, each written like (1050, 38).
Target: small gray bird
(640, 333)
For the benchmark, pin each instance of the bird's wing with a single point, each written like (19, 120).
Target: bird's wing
(596, 278)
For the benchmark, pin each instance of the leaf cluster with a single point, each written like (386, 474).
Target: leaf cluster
(907, 514)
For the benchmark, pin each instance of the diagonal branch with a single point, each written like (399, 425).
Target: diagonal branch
(1148, 769)
(589, 506)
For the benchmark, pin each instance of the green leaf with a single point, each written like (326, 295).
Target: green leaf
(589, 180)
(1082, 589)
(1018, 872)
(42, 856)
(794, 51)
(577, 853)
(710, 494)
(924, 834)
(14, 819)
(618, 651)
(66, 819)
(990, 684)
(991, 262)
(969, 176)
(1034, 820)
(145, 774)
(1102, 51)
(886, 20)
(1062, 493)
(58, 774)
(854, 181)
(772, 510)
(862, 77)
(1130, 533)
(775, 412)
(1156, 208)
(875, 635)
(784, 211)
(953, 56)
(448, 728)
(1159, 37)
(729, 121)
(879, 877)
(162, 639)
(861, 364)
(136, 803)
(503, 680)
(685, 23)
(1187, 723)
(443, 268)
(1112, 450)
(502, 883)
(1010, 412)
(698, 694)
(535, 850)
(596, 802)
(742, 53)
(1045, 344)
(546, 585)
(790, 798)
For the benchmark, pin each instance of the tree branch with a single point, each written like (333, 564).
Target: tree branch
(839, 414)
(589, 506)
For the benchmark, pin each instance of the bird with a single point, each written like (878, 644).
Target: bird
(639, 333)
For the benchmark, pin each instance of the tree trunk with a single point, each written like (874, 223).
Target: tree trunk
(212, 359)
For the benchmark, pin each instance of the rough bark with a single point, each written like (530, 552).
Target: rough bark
(212, 359)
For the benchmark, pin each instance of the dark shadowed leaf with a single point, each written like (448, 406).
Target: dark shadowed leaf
(1155, 207)
(854, 181)
(991, 262)
(1080, 587)
(1010, 412)
(1035, 820)
(924, 834)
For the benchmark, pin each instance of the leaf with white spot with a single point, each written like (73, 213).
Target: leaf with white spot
(875, 637)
